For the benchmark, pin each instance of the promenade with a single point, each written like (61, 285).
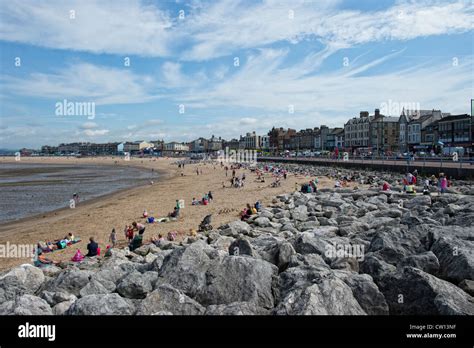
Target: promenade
(458, 170)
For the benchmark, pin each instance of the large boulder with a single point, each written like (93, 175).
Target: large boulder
(26, 305)
(185, 268)
(96, 287)
(166, 298)
(366, 293)
(24, 279)
(315, 291)
(414, 292)
(239, 279)
(235, 228)
(417, 202)
(134, 285)
(71, 281)
(456, 258)
(300, 213)
(426, 261)
(241, 246)
(102, 304)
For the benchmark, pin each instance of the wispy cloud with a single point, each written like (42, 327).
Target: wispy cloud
(99, 84)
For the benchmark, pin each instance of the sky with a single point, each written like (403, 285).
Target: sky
(178, 70)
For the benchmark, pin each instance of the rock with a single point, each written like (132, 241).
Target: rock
(53, 298)
(101, 304)
(95, 287)
(285, 252)
(422, 201)
(415, 292)
(26, 305)
(235, 228)
(241, 247)
(165, 298)
(24, 279)
(158, 261)
(300, 213)
(235, 308)
(367, 294)
(62, 307)
(262, 221)
(239, 279)
(185, 268)
(456, 258)
(134, 285)
(468, 286)
(308, 291)
(51, 270)
(71, 281)
(222, 242)
(427, 262)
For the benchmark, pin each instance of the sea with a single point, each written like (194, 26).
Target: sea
(28, 189)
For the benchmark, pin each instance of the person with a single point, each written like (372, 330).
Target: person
(92, 248)
(205, 200)
(145, 213)
(113, 237)
(175, 213)
(138, 227)
(386, 186)
(128, 232)
(69, 238)
(337, 183)
(158, 241)
(426, 184)
(195, 201)
(443, 184)
(75, 197)
(137, 241)
(177, 204)
(40, 260)
(209, 195)
(410, 189)
(258, 205)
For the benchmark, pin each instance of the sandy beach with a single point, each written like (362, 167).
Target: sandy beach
(97, 217)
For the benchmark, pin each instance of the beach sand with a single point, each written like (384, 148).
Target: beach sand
(97, 217)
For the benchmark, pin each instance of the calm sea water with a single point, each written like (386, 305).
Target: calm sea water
(28, 189)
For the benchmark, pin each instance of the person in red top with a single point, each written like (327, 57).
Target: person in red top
(385, 186)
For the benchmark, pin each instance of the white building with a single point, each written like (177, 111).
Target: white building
(176, 147)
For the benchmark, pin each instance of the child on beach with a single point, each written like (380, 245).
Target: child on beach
(113, 238)
(128, 233)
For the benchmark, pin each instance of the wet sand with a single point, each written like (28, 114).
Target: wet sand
(98, 216)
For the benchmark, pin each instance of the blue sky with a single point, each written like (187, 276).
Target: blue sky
(326, 60)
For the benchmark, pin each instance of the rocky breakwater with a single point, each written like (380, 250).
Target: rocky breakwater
(356, 252)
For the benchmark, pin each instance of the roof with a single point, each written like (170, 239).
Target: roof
(454, 118)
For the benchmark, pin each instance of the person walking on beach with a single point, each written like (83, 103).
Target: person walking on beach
(113, 238)
(197, 171)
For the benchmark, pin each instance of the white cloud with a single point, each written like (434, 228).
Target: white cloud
(89, 125)
(96, 132)
(117, 27)
(87, 82)
(215, 29)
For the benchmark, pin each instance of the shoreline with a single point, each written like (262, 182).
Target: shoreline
(11, 223)
(98, 216)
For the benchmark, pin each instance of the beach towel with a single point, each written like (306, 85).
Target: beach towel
(151, 220)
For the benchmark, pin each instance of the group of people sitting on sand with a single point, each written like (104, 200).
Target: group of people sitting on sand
(249, 211)
(310, 187)
(205, 200)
